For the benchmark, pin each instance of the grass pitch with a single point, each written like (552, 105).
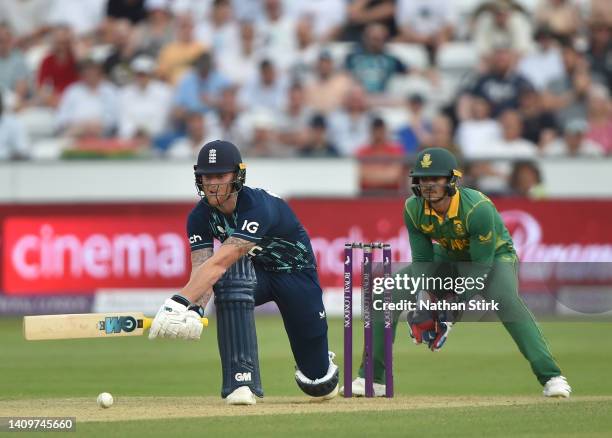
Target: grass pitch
(478, 384)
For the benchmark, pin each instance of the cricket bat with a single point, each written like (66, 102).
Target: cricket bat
(87, 325)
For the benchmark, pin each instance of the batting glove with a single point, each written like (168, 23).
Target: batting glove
(175, 320)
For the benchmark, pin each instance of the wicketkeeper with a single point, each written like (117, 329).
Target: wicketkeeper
(457, 232)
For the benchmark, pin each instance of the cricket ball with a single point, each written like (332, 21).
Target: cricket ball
(105, 400)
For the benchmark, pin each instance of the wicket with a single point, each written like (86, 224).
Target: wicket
(367, 309)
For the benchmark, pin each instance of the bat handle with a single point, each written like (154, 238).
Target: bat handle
(146, 323)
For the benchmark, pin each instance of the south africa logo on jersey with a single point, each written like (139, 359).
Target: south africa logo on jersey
(426, 161)
(427, 228)
(459, 228)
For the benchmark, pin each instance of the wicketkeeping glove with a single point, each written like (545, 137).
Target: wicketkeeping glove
(427, 326)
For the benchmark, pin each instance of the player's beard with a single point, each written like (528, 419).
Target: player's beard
(220, 199)
(429, 195)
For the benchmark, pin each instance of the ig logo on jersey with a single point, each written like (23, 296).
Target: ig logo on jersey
(251, 227)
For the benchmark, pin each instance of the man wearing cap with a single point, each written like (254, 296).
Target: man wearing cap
(265, 256)
(457, 233)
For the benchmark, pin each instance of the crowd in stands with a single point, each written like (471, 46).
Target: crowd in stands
(502, 83)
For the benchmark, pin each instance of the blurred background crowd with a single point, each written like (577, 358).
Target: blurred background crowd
(502, 83)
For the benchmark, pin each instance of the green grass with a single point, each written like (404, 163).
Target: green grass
(479, 359)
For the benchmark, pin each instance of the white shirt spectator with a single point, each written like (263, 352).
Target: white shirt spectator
(425, 17)
(238, 67)
(510, 149)
(220, 39)
(13, 138)
(25, 16)
(560, 148)
(144, 109)
(542, 67)
(80, 103)
(197, 9)
(326, 15)
(277, 39)
(347, 132)
(256, 94)
(517, 34)
(82, 16)
(475, 136)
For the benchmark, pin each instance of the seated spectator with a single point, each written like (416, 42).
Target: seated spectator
(27, 19)
(600, 117)
(429, 23)
(562, 17)
(370, 64)
(545, 63)
(199, 90)
(567, 96)
(501, 85)
(327, 17)
(512, 144)
(144, 104)
(526, 180)
(349, 126)
(13, 138)
(294, 120)
(88, 107)
(58, 69)
(226, 123)
(267, 90)
(188, 147)
(381, 161)
(417, 130)
(14, 74)
(599, 53)
(317, 143)
(117, 64)
(259, 129)
(276, 30)
(477, 129)
(219, 30)
(240, 64)
(132, 10)
(85, 18)
(574, 142)
(328, 86)
(176, 56)
(442, 135)
(304, 57)
(157, 30)
(539, 126)
(361, 13)
(502, 24)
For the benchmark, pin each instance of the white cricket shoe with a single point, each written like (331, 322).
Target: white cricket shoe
(359, 388)
(557, 387)
(241, 396)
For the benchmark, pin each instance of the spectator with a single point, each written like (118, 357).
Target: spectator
(381, 161)
(276, 31)
(502, 24)
(27, 19)
(58, 69)
(574, 143)
(200, 89)
(601, 9)
(219, 31)
(266, 90)
(144, 104)
(599, 53)
(157, 30)
(526, 180)
(562, 17)
(539, 125)
(361, 13)
(600, 117)
(501, 85)
(188, 147)
(307, 49)
(83, 17)
(132, 10)
(429, 23)
(417, 130)
(176, 56)
(318, 144)
(477, 129)
(240, 64)
(14, 74)
(225, 123)
(567, 96)
(370, 64)
(442, 135)
(294, 121)
(259, 128)
(326, 90)
(13, 137)
(117, 64)
(327, 17)
(349, 126)
(545, 63)
(512, 144)
(88, 107)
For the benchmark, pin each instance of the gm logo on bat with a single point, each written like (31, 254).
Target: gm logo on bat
(117, 324)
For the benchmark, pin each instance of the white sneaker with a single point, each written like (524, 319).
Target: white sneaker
(241, 396)
(359, 388)
(557, 387)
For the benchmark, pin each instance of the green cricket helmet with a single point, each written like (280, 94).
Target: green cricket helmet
(435, 162)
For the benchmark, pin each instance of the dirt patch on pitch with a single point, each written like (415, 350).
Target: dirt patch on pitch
(146, 408)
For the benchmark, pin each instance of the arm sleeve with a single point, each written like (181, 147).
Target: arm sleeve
(480, 225)
(198, 233)
(420, 246)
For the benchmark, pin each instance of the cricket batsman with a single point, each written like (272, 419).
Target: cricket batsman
(265, 256)
(457, 232)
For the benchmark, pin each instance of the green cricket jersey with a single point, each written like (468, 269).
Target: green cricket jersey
(472, 231)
